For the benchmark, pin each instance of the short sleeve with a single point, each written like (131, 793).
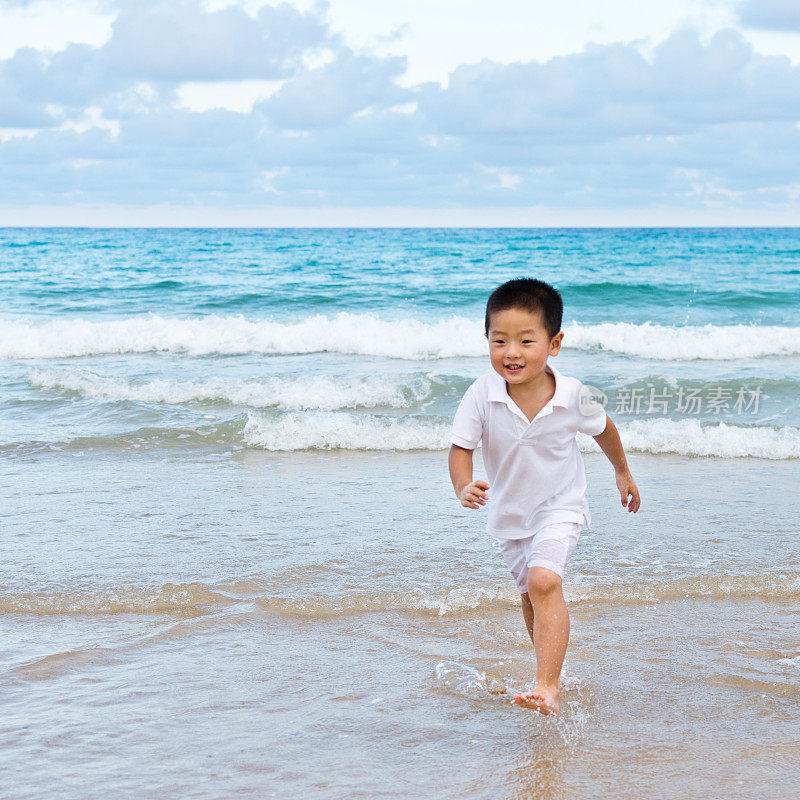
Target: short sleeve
(591, 413)
(468, 421)
(594, 425)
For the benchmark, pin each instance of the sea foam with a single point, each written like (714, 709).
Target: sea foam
(195, 599)
(329, 431)
(326, 431)
(370, 335)
(690, 437)
(327, 393)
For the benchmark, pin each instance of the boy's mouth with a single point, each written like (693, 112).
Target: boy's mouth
(513, 367)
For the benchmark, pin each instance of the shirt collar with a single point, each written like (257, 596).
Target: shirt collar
(499, 392)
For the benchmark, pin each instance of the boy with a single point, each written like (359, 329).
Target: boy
(526, 414)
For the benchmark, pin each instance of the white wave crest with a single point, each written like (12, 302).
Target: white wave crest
(689, 437)
(685, 343)
(330, 430)
(303, 393)
(370, 335)
(358, 334)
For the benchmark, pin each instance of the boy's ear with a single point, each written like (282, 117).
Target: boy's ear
(555, 343)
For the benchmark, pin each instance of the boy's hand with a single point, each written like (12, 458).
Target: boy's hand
(627, 487)
(474, 494)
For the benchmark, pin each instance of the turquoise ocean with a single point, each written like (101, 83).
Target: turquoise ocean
(232, 564)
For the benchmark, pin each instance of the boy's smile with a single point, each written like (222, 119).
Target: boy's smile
(519, 345)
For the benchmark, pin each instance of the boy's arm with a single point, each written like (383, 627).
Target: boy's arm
(611, 445)
(470, 493)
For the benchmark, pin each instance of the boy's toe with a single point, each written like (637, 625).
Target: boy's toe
(537, 701)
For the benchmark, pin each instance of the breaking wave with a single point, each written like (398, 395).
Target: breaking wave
(298, 394)
(339, 430)
(369, 335)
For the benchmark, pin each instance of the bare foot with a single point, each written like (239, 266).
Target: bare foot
(543, 699)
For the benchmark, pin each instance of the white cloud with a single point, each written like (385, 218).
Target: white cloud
(52, 24)
(165, 45)
(613, 91)
(779, 15)
(91, 118)
(232, 95)
(295, 114)
(266, 181)
(332, 93)
(439, 35)
(505, 178)
(180, 41)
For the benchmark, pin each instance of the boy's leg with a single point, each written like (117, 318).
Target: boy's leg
(527, 613)
(550, 636)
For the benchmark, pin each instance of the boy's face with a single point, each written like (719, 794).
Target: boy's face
(519, 344)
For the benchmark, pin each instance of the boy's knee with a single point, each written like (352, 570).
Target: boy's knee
(542, 581)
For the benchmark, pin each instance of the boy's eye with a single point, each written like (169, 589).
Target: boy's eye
(527, 341)
(498, 341)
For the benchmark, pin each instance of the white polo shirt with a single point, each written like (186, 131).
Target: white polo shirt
(535, 470)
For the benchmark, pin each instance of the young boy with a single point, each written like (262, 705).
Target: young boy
(526, 414)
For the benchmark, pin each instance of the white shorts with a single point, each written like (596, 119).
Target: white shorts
(550, 547)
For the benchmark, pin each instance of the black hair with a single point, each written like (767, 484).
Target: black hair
(531, 295)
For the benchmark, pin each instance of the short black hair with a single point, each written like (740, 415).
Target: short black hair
(531, 295)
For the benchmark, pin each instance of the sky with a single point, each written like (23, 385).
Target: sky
(434, 112)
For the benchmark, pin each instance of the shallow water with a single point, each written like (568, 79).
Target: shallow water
(332, 625)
